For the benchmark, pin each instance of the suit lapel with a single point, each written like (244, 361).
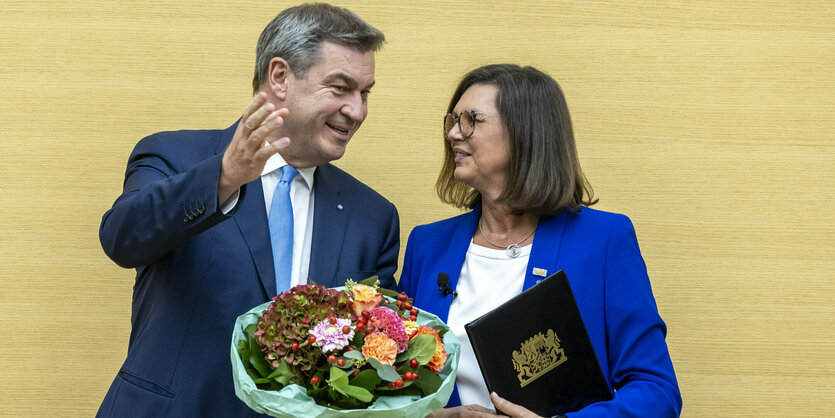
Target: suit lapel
(545, 250)
(330, 218)
(251, 218)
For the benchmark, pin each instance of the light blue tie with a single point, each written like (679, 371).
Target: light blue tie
(281, 229)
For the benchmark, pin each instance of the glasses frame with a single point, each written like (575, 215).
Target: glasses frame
(456, 120)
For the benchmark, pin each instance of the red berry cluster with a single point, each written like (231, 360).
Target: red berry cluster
(339, 361)
(362, 324)
(408, 376)
(404, 304)
(413, 363)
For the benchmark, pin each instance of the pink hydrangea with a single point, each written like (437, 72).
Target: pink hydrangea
(387, 321)
(330, 336)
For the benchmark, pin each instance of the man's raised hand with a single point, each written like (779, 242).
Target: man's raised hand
(253, 143)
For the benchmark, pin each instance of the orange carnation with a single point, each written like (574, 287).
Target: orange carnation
(440, 356)
(365, 298)
(381, 347)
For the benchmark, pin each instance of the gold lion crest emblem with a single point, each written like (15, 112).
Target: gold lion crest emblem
(537, 356)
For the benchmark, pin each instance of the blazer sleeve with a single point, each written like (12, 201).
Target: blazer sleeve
(162, 204)
(406, 282)
(641, 372)
(389, 251)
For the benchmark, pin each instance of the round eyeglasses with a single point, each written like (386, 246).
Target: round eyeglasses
(466, 121)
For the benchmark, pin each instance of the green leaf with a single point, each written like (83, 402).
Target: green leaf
(349, 403)
(317, 393)
(367, 379)
(339, 382)
(358, 340)
(371, 281)
(387, 292)
(251, 372)
(404, 391)
(427, 381)
(338, 377)
(356, 392)
(385, 371)
(332, 394)
(256, 359)
(243, 352)
(421, 348)
(354, 354)
(282, 374)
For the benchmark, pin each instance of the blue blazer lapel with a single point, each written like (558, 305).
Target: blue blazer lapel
(457, 251)
(329, 223)
(453, 260)
(251, 218)
(546, 246)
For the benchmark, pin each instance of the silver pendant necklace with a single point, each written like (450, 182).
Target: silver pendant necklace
(511, 250)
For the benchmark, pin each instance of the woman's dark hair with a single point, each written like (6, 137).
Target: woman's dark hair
(545, 175)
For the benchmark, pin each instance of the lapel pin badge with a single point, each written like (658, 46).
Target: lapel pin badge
(339, 206)
(540, 272)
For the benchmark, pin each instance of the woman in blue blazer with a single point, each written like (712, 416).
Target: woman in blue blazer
(510, 159)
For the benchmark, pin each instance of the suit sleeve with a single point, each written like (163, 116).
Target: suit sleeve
(162, 204)
(641, 371)
(389, 251)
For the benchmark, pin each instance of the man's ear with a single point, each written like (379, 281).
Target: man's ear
(279, 77)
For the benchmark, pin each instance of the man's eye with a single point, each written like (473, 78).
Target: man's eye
(364, 94)
(341, 89)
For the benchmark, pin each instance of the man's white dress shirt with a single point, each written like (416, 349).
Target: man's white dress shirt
(301, 197)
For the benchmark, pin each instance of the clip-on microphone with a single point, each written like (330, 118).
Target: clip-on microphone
(443, 281)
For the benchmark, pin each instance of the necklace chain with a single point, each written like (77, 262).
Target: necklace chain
(511, 250)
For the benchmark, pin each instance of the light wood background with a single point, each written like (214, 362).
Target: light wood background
(708, 122)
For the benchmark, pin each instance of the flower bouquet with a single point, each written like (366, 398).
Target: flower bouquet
(356, 351)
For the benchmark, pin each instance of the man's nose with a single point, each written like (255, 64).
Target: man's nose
(354, 108)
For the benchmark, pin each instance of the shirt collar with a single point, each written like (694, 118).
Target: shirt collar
(276, 161)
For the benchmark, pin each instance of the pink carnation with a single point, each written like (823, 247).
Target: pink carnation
(388, 322)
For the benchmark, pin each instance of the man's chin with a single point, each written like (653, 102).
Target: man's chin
(334, 153)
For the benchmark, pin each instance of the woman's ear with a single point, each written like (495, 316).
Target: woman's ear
(279, 77)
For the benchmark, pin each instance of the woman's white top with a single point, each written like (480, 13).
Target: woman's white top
(488, 278)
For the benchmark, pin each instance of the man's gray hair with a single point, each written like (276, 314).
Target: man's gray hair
(297, 33)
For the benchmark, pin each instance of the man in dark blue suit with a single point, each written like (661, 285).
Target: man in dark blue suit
(193, 216)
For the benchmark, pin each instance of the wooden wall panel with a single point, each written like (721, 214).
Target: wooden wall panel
(709, 124)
